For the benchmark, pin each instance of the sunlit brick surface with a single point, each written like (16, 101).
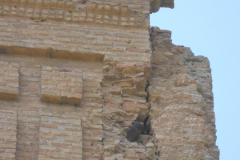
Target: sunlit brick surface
(61, 85)
(9, 80)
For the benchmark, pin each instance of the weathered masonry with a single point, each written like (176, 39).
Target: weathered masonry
(90, 80)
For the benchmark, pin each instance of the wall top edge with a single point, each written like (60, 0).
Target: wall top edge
(116, 12)
(156, 4)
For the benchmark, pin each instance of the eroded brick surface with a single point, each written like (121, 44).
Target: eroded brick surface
(88, 71)
(125, 101)
(180, 94)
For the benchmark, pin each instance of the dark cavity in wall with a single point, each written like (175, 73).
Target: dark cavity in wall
(137, 129)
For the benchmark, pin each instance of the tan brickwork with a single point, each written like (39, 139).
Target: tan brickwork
(91, 107)
(74, 41)
(124, 84)
(61, 85)
(9, 80)
(30, 106)
(60, 135)
(8, 133)
(93, 82)
(115, 12)
(180, 85)
(28, 111)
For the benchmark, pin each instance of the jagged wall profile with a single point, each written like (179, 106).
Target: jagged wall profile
(90, 80)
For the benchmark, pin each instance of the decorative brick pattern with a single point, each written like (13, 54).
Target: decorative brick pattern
(112, 12)
(9, 81)
(61, 85)
(30, 107)
(88, 42)
(8, 133)
(60, 136)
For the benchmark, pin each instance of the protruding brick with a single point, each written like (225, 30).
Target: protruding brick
(62, 85)
(9, 81)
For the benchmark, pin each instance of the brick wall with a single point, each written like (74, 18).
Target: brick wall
(9, 81)
(37, 121)
(115, 12)
(72, 40)
(8, 133)
(180, 94)
(79, 78)
(112, 95)
(60, 135)
(61, 85)
(86, 41)
(28, 111)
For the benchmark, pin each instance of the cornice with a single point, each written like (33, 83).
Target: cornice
(156, 4)
(76, 11)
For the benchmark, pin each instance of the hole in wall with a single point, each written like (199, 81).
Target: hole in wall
(140, 130)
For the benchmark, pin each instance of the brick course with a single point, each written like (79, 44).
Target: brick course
(115, 12)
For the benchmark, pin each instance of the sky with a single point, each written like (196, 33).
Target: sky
(212, 28)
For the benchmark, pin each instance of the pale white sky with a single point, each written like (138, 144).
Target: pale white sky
(212, 28)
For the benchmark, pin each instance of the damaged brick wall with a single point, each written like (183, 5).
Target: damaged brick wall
(181, 98)
(124, 87)
(95, 83)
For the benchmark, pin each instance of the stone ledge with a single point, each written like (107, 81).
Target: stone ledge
(51, 53)
(156, 4)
